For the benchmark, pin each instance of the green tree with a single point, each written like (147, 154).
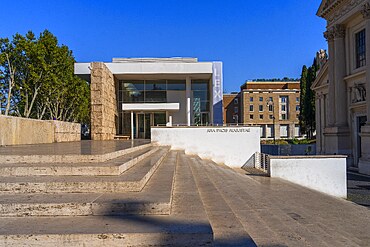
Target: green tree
(302, 107)
(45, 86)
(307, 100)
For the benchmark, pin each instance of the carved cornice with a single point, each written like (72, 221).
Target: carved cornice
(327, 6)
(366, 11)
(334, 10)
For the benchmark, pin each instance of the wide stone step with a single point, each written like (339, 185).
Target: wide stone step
(133, 179)
(155, 198)
(28, 154)
(187, 224)
(108, 168)
(96, 231)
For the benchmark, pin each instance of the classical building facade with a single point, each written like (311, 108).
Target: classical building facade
(129, 95)
(232, 111)
(342, 106)
(272, 105)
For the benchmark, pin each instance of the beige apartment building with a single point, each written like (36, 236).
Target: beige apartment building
(343, 83)
(232, 111)
(272, 105)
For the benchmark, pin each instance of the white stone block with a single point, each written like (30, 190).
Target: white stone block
(321, 173)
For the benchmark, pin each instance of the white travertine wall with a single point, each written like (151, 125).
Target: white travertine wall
(17, 131)
(178, 117)
(232, 146)
(326, 174)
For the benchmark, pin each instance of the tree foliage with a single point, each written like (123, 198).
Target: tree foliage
(307, 100)
(37, 80)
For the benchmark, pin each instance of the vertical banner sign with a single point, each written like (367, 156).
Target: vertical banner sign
(217, 93)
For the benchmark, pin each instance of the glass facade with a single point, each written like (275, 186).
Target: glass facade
(156, 91)
(201, 105)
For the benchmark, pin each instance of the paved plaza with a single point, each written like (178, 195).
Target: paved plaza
(359, 188)
(169, 198)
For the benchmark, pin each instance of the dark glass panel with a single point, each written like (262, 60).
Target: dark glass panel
(176, 85)
(125, 127)
(202, 95)
(159, 119)
(133, 85)
(204, 106)
(200, 85)
(155, 85)
(156, 96)
(132, 96)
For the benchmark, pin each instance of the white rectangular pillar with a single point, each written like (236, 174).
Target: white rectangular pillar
(188, 100)
(132, 125)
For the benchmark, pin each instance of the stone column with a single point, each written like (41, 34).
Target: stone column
(188, 100)
(318, 124)
(103, 102)
(340, 73)
(366, 15)
(329, 35)
(364, 163)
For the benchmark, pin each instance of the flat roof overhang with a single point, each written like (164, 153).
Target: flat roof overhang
(150, 106)
(200, 70)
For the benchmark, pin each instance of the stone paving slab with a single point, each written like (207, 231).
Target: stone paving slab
(278, 213)
(132, 180)
(358, 188)
(112, 167)
(228, 230)
(70, 152)
(155, 198)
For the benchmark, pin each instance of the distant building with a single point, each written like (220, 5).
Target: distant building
(272, 105)
(343, 83)
(232, 111)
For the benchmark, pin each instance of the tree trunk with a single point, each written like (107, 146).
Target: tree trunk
(11, 84)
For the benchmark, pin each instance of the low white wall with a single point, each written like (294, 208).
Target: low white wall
(232, 146)
(326, 174)
(17, 131)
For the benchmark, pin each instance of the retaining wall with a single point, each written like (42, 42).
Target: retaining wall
(326, 174)
(232, 146)
(17, 131)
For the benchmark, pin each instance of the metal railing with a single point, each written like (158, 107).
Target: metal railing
(259, 161)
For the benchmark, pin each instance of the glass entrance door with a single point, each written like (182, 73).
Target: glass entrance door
(140, 122)
(145, 120)
(361, 121)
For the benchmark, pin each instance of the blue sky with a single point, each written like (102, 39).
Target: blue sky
(253, 39)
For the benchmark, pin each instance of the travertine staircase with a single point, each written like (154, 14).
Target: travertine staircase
(121, 198)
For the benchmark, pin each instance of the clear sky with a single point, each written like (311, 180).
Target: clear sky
(253, 39)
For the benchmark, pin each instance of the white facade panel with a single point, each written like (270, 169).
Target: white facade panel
(160, 68)
(151, 107)
(178, 117)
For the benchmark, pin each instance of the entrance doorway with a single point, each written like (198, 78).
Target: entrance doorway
(145, 120)
(360, 121)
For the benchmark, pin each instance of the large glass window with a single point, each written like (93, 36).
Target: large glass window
(361, 48)
(159, 85)
(201, 104)
(177, 85)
